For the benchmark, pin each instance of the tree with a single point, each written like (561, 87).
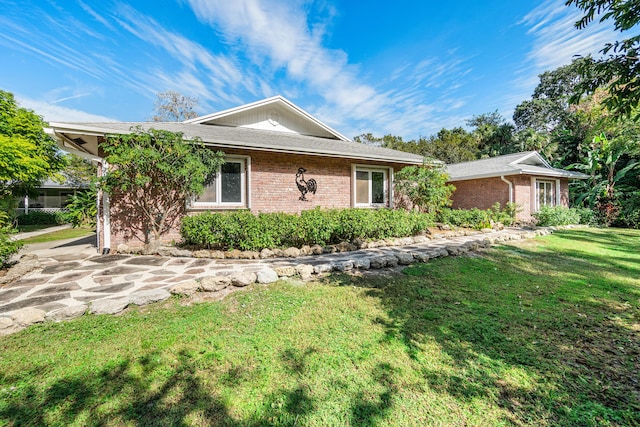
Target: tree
(425, 186)
(619, 71)
(172, 106)
(494, 135)
(79, 172)
(155, 174)
(27, 154)
(451, 146)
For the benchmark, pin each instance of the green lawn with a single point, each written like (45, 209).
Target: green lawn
(541, 332)
(68, 233)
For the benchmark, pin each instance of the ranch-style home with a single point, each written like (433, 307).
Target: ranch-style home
(524, 178)
(278, 158)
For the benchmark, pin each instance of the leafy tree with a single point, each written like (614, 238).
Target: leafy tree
(27, 154)
(425, 186)
(618, 72)
(172, 106)
(155, 173)
(494, 135)
(79, 172)
(451, 146)
(81, 209)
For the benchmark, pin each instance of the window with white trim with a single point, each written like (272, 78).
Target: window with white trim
(228, 188)
(371, 187)
(545, 193)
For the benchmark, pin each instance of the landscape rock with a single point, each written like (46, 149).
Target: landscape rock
(215, 283)
(233, 254)
(404, 258)
(266, 276)
(28, 316)
(343, 266)
(67, 313)
(363, 263)
(24, 266)
(109, 305)
(330, 249)
(360, 243)
(285, 271)
(322, 268)
(249, 255)
(266, 253)
(421, 256)
(305, 250)
(452, 250)
(392, 260)
(153, 247)
(122, 248)
(345, 247)
(379, 261)
(420, 239)
(278, 253)
(316, 250)
(176, 252)
(148, 296)
(202, 253)
(242, 279)
(187, 288)
(162, 251)
(216, 254)
(305, 271)
(405, 241)
(292, 252)
(5, 323)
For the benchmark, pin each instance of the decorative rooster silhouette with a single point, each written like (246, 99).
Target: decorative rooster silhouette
(305, 186)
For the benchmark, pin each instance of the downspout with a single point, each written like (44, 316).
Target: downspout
(510, 184)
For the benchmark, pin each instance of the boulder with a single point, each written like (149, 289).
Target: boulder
(180, 253)
(292, 252)
(67, 313)
(343, 266)
(109, 305)
(329, 249)
(421, 256)
(420, 239)
(187, 288)
(379, 261)
(323, 268)
(363, 263)
(266, 253)
(233, 254)
(285, 271)
(404, 258)
(305, 271)
(28, 316)
(392, 260)
(122, 248)
(5, 323)
(249, 255)
(215, 283)
(316, 250)
(345, 247)
(278, 253)
(305, 250)
(153, 247)
(202, 253)
(216, 254)
(242, 279)
(266, 276)
(148, 296)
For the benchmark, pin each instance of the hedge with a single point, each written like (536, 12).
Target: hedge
(245, 231)
(560, 215)
(41, 218)
(477, 218)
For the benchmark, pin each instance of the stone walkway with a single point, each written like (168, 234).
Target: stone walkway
(68, 282)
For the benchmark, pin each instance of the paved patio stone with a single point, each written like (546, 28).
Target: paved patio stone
(200, 263)
(147, 260)
(163, 272)
(35, 281)
(195, 271)
(121, 270)
(8, 295)
(50, 290)
(112, 289)
(32, 302)
(60, 268)
(76, 275)
(102, 259)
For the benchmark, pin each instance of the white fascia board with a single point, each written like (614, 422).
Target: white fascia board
(551, 173)
(84, 129)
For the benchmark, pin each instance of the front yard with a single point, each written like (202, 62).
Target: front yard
(539, 332)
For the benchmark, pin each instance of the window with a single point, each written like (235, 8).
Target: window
(371, 187)
(227, 188)
(545, 193)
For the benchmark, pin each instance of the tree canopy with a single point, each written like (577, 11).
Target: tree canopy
(27, 154)
(157, 172)
(618, 71)
(172, 106)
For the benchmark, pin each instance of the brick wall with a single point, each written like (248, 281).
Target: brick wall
(272, 189)
(484, 193)
(480, 193)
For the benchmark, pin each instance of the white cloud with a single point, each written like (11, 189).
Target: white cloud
(57, 113)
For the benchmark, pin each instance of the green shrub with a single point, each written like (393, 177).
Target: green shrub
(243, 230)
(81, 209)
(557, 215)
(41, 218)
(478, 218)
(7, 247)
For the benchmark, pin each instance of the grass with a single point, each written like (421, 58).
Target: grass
(33, 227)
(68, 233)
(541, 332)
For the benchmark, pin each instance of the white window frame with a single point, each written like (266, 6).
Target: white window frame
(388, 187)
(555, 185)
(245, 168)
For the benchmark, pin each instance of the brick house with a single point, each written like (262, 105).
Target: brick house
(276, 154)
(524, 178)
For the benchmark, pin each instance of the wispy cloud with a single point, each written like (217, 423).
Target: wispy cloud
(57, 113)
(555, 42)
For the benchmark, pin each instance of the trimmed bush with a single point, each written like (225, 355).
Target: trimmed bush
(560, 215)
(41, 218)
(243, 230)
(478, 218)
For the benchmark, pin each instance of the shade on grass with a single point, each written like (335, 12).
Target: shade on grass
(541, 332)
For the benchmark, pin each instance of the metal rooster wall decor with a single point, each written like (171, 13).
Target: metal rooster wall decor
(305, 186)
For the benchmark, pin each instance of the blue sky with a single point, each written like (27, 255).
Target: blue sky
(408, 68)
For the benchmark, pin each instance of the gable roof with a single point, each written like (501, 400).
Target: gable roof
(74, 134)
(271, 110)
(525, 163)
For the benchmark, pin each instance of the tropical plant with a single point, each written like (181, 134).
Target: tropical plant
(425, 186)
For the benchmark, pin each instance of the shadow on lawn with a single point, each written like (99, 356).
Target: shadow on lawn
(522, 333)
